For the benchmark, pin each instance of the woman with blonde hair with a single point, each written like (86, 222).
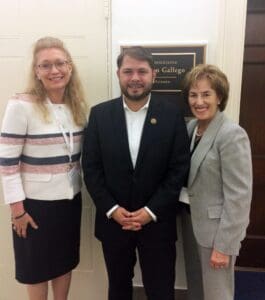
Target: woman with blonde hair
(40, 148)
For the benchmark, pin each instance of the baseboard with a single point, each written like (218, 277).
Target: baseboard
(249, 269)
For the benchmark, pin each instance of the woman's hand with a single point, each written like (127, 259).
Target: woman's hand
(21, 219)
(219, 260)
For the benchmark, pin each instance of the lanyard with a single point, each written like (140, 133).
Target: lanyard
(69, 142)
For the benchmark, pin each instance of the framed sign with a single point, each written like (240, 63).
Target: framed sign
(171, 64)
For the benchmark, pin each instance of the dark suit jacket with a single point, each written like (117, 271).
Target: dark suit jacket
(161, 167)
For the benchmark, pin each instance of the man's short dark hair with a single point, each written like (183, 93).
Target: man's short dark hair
(136, 52)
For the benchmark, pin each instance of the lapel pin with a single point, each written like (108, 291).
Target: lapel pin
(153, 121)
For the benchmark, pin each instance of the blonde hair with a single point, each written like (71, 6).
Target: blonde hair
(73, 95)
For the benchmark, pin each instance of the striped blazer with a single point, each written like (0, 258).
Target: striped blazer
(34, 159)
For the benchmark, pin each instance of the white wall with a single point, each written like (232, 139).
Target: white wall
(219, 23)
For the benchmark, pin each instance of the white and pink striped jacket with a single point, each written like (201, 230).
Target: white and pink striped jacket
(34, 159)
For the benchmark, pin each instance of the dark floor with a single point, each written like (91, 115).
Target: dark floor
(250, 285)
(138, 294)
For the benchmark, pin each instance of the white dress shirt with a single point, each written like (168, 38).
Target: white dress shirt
(135, 123)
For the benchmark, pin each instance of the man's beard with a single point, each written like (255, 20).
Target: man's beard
(137, 97)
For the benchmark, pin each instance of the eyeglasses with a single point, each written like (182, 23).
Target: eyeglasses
(60, 65)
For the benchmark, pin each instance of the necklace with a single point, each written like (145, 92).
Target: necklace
(199, 134)
(200, 130)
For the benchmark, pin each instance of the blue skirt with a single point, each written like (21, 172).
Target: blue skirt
(51, 250)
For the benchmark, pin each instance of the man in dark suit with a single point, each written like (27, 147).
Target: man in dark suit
(135, 159)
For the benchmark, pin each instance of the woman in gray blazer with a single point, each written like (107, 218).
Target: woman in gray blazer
(219, 187)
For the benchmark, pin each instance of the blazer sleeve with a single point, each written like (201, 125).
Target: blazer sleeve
(236, 171)
(165, 200)
(93, 166)
(13, 133)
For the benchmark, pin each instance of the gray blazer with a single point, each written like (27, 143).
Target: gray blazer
(220, 185)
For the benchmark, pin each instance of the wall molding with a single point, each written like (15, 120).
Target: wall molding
(232, 24)
(108, 19)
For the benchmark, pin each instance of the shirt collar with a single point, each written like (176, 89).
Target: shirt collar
(145, 107)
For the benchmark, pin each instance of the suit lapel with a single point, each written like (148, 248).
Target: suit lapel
(120, 131)
(204, 145)
(149, 129)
